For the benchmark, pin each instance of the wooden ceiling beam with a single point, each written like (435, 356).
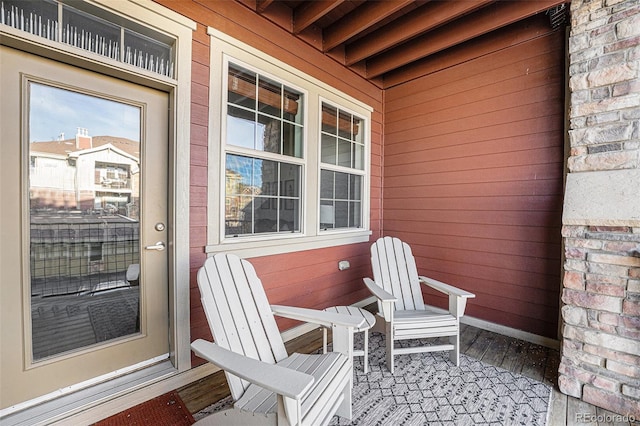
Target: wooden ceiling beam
(307, 14)
(485, 20)
(262, 5)
(363, 17)
(426, 18)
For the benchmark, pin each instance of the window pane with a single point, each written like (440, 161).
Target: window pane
(347, 149)
(358, 156)
(329, 118)
(342, 186)
(342, 214)
(82, 214)
(344, 125)
(265, 176)
(289, 215)
(266, 214)
(241, 127)
(326, 184)
(355, 187)
(241, 222)
(340, 200)
(238, 174)
(358, 130)
(328, 149)
(290, 180)
(273, 123)
(291, 140)
(344, 153)
(242, 87)
(327, 215)
(293, 106)
(355, 213)
(268, 134)
(257, 194)
(269, 97)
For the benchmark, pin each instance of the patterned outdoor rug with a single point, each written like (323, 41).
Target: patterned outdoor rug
(427, 389)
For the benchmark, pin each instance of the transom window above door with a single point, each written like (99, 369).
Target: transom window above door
(93, 30)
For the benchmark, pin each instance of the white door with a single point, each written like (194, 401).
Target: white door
(83, 181)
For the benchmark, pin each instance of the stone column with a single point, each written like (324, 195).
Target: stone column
(600, 354)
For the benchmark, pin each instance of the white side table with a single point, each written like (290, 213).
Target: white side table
(369, 321)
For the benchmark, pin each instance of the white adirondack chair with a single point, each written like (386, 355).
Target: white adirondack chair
(267, 385)
(402, 314)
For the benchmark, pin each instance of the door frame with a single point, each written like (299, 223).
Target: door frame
(181, 28)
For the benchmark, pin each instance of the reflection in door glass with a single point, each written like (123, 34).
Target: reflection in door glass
(84, 195)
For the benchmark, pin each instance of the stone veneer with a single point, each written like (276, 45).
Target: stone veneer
(600, 354)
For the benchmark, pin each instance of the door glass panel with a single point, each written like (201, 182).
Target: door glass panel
(84, 194)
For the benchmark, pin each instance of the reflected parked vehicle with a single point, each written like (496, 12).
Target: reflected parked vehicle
(110, 209)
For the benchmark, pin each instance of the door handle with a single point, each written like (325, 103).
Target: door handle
(159, 246)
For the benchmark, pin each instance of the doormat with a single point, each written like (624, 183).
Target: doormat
(428, 389)
(165, 410)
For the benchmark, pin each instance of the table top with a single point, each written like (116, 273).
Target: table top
(369, 318)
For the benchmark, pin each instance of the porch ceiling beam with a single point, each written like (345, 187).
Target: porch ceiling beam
(262, 5)
(473, 25)
(426, 18)
(310, 12)
(359, 20)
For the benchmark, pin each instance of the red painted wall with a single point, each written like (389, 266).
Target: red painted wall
(473, 172)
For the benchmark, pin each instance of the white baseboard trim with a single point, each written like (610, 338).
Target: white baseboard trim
(511, 332)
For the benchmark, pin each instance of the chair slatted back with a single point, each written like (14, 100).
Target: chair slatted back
(238, 313)
(394, 269)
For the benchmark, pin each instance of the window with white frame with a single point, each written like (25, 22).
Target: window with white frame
(289, 157)
(263, 155)
(342, 170)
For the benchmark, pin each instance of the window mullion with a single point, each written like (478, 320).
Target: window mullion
(263, 155)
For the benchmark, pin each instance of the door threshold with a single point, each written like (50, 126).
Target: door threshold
(57, 409)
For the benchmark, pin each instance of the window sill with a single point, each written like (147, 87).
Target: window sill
(248, 248)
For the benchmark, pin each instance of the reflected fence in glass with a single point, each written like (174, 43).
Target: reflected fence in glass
(84, 220)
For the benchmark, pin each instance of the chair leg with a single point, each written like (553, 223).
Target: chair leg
(324, 340)
(390, 346)
(366, 351)
(345, 409)
(454, 354)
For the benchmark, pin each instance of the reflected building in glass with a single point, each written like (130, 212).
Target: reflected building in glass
(84, 226)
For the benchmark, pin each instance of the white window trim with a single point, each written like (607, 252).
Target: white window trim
(225, 48)
(246, 152)
(365, 173)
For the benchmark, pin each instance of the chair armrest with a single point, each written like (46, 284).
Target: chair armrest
(386, 300)
(281, 380)
(457, 297)
(379, 292)
(325, 319)
(445, 288)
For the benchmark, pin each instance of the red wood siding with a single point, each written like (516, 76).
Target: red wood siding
(473, 169)
(307, 279)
